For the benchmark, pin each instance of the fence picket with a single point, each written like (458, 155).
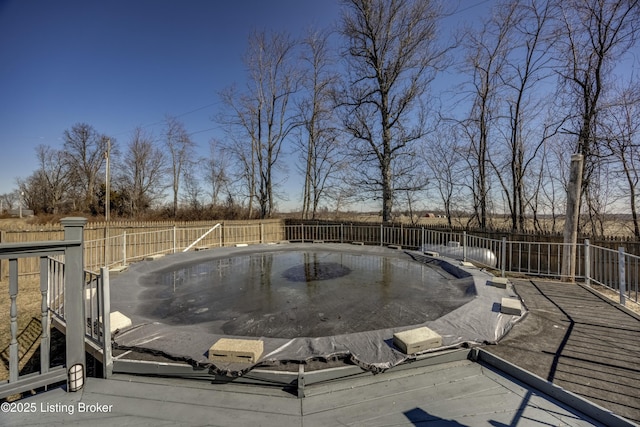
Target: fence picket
(527, 253)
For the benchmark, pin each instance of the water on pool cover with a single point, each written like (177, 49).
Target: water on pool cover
(289, 294)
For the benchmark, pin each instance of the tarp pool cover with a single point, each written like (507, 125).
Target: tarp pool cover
(306, 302)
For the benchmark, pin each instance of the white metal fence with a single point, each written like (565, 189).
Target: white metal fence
(614, 269)
(617, 270)
(122, 249)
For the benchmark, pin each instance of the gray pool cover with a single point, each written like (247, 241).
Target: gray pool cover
(306, 302)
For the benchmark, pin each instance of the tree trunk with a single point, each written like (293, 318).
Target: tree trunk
(571, 219)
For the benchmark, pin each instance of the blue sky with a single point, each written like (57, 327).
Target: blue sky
(120, 64)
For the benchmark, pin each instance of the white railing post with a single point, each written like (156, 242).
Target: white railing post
(107, 256)
(503, 256)
(587, 262)
(464, 246)
(174, 239)
(124, 248)
(261, 233)
(622, 275)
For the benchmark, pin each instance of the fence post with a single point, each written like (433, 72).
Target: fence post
(587, 262)
(381, 235)
(503, 256)
(464, 246)
(106, 255)
(124, 247)
(174, 239)
(261, 233)
(74, 303)
(341, 233)
(622, 275)
(422, 240)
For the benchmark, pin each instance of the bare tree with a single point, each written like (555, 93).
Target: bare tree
(181, 154)
(84, 150)
(523, 74)
(318, 135)
(8, 200)
(392, 55)
(242, 150)
(552, 196)
(444, 161)
(55, 176)
(32, 192)
(622, 126)
(595, 35)
(46, 189)
(143, 171)
(192, 195)
(488, 50)
(215, 169)
(261, 118)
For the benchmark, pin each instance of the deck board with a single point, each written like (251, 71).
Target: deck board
(571, 337)
(454, 392)
(579, 341)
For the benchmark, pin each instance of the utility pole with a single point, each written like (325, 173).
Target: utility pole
(107, 202)
(571, 219)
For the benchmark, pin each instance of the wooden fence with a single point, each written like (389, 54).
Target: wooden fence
(104, 243)
(129, 241)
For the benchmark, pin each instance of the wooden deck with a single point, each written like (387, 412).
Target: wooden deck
(571, 340)
(451, 394)
(580, 341)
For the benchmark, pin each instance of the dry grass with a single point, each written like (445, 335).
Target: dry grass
(7, 224)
